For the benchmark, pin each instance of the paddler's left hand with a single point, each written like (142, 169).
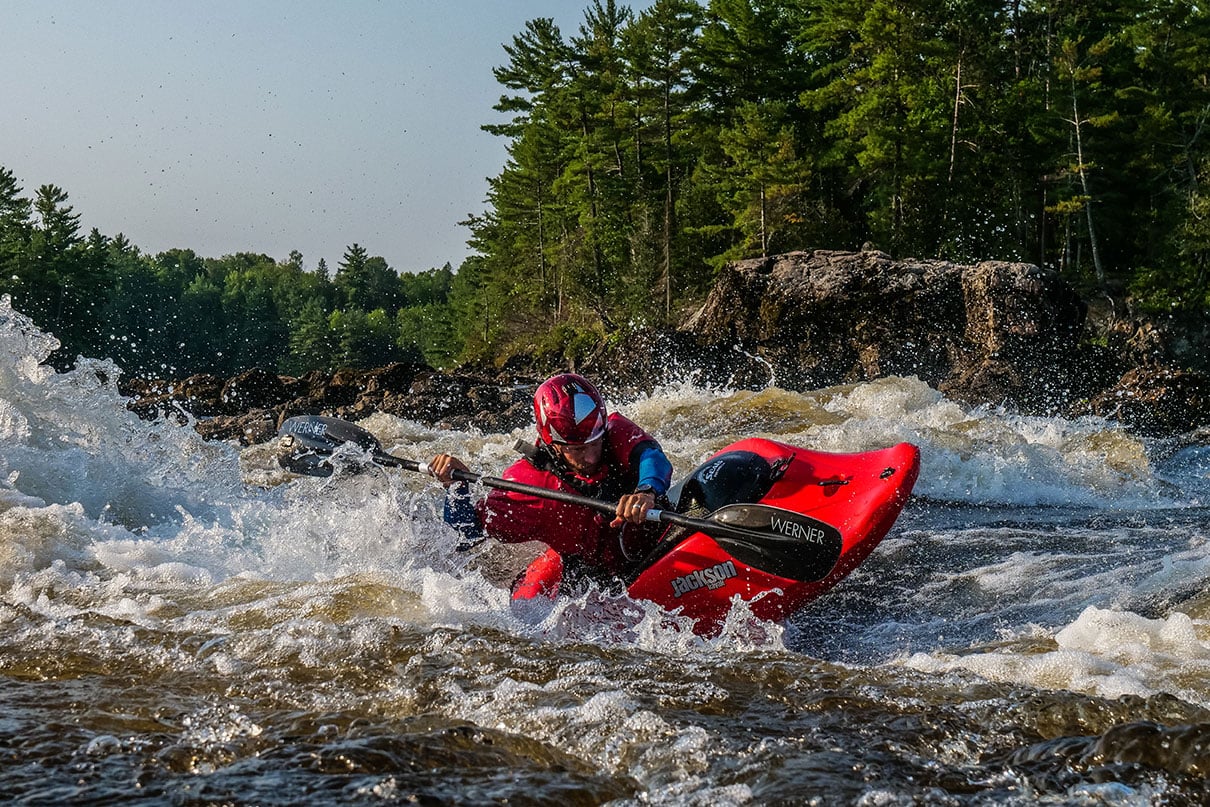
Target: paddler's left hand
(632, 508)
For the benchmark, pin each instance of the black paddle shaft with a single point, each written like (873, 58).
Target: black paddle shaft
(786, 543)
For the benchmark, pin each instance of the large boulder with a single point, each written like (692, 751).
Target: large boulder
(993, 331)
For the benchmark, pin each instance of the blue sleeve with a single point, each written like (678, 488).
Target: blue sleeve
(459, 513)
(654, 468)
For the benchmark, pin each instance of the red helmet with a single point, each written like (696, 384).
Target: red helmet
(568, 409)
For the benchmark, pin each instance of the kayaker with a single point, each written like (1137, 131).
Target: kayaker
(580, 448)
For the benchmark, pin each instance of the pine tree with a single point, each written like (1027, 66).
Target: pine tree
(661, 53)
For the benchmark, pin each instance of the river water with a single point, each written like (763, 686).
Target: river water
(183, 623)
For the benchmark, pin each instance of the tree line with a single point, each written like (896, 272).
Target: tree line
(648, 149)
(176, 313)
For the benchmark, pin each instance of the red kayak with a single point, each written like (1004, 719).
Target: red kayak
(760, 521)
(827, 510)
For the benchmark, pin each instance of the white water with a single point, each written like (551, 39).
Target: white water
(91, 493)
(1064, 555)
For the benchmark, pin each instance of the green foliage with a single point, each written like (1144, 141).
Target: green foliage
(426, 334)
(646, 150)
(1181, 281)
(570, 343)
(366, 281)
(363, 339)
(966, 129)
(313, 345)
(52, 274)
(763, 181)
(176, 314)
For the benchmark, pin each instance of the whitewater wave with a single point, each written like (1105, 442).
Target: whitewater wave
(87, 488)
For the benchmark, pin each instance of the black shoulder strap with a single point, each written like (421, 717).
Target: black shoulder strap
(539, 456)
(544, 459)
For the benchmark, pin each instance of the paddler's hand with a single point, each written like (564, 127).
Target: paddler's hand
(443, 466)
(632, 508)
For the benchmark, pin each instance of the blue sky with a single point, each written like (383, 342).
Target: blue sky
(264, 126)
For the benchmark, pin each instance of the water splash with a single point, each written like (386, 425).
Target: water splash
(228, 626)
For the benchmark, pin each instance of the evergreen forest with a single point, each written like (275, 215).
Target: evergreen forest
(646, 150)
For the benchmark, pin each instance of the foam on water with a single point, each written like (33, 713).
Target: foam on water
(1042, 552)
(138, 512)
(1104, 652)
(980, 455)
(68, 439)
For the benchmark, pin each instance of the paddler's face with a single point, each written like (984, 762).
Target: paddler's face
(584, 459)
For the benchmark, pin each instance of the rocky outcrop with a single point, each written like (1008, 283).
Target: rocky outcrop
(995, 332)
(992, 332)
(1156, 400)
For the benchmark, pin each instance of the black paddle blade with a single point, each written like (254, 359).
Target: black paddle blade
(307, 442)
(321, 431)
(781, 542)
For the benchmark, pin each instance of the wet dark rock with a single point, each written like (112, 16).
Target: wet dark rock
(250, 428)
(1157, 400)
(458, 400)
(200, 395)
(253, 389)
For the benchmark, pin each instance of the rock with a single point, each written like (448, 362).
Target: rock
(497, 402)
(250, 428)
(252, 389)
(1015, 309)
(199, 395)
(397, 377)
(343, 388)
(995, 331)
(1158, 401)
(821, 318)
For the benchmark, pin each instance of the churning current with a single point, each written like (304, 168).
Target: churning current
(182, 622)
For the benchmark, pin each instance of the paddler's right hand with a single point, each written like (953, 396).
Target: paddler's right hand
(633, 508)
(443, 466)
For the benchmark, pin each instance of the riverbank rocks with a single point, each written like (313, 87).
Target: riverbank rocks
(993, 332)
(250, 407)
(1156, 400)
(999, 333)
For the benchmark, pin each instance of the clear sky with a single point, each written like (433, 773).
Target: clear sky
(264, 125)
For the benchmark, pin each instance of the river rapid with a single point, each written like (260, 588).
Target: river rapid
(182, 622)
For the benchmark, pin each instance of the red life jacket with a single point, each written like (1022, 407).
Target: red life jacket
(581, 535)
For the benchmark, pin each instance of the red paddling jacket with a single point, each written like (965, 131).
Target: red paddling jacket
(580, 535)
